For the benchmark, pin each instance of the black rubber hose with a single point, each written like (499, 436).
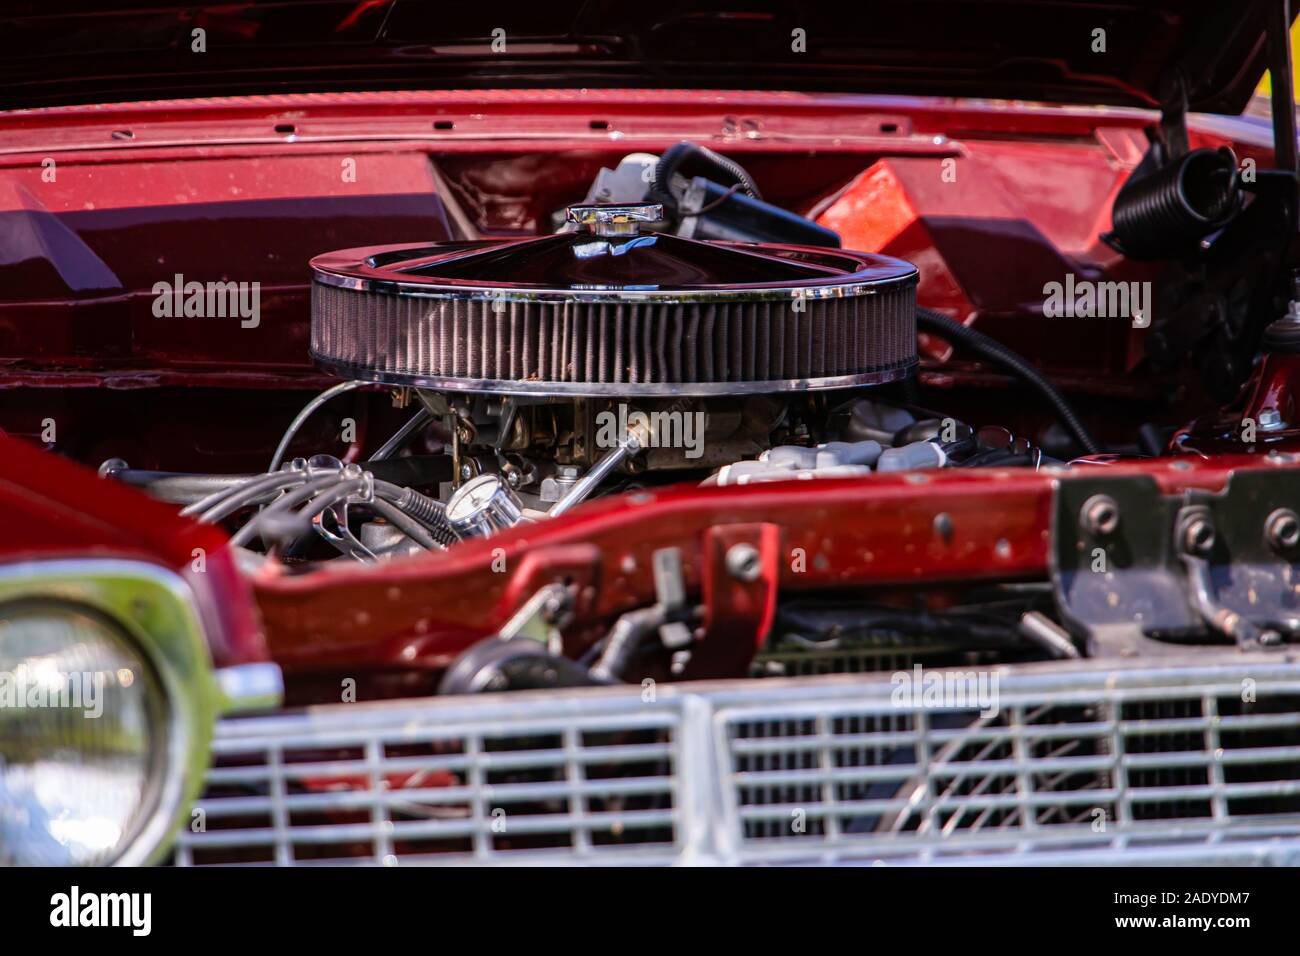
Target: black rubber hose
(936, 323)
(283, 506)
(254, 492)
(428, 512)
(1168, 210)
(406, 524)
(340, 493)
(180, 488)
(674, 156)
(327, 499)
(998, 458)
(387, 504)
(517, 664)
(626, 638)
(188, 489)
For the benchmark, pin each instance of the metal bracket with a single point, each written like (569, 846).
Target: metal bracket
(532, 605)
(341, 537)
(670, 594)
(541, 618)
(1130, 565)
(741, 573)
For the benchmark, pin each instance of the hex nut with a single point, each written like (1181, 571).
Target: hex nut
(1099, 515)
(1198, 536)
(1283, 529)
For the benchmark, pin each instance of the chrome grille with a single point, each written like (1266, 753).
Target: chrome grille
(378, 784)
(1079, 764)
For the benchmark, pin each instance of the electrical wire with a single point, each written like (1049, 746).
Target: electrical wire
(306, 413)
(936, 323)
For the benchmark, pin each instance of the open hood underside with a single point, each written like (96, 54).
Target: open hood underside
(94, 51)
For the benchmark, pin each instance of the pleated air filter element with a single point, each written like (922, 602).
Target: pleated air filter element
(609, 311)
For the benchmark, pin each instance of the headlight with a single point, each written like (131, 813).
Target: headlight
(80, 716)
(107, 701)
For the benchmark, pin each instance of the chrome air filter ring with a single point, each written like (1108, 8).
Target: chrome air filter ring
(576, 322)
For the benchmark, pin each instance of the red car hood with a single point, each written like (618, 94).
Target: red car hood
(1053, 50)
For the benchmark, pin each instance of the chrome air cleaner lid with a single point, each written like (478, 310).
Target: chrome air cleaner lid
(608, 309)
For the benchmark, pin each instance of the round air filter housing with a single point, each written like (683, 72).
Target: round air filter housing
(606, 310)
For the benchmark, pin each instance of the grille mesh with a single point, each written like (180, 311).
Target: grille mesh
(625, 344)
(1085, 763)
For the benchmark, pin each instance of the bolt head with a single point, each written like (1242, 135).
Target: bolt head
(744, 562)
(112, 466)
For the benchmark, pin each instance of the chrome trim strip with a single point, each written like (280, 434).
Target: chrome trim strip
(616, 389)
(839, 288)
(248, 687)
